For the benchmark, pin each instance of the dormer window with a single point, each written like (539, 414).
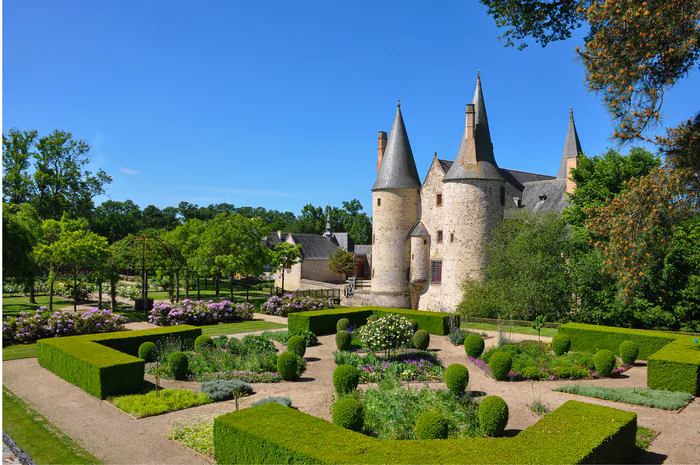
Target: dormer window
(438, 200)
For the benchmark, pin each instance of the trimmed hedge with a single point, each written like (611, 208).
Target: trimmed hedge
(673, 360)
(325, 321)
(105, 364)
(432, 425)
(629, 352)
(296, 345)
(576, 432)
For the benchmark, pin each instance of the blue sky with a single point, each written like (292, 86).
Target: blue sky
(278, 104)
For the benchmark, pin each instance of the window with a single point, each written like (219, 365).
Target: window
(439, 237)
(379, 202)
(439, 200)
(452, 237)
(435, 272)
(425, 241)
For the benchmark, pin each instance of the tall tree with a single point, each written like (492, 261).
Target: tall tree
(17, 152)
(116, 220)
(284, 257)
(21, 231)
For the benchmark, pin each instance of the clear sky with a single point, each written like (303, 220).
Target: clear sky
(278, 104)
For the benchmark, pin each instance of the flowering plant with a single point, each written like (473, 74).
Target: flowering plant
(387, 333)
(283, 306)
(199, 312)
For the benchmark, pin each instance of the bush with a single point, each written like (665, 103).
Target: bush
(500, 365)
(310, 338)
(167, 400)
(414, 324)
(220, 341)
(254, 343)
(431, 425)
(348, 414)
(646, 397)
(604, 362)
(203, 342)
(284, 401)
(561, 344)
(343, 340)
(372, 318)
(287, 366)
(421, 339)
(342, 324)
(457, 378)
(148, 352)
(345, 379)
(296, 345)
(457, 336)
(283, 306)
(628, 352)
(177, 365)
(387, 333)
(199, 312)
(219, 390)
(493, 416)
(474, 345)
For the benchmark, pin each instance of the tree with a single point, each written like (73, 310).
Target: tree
(116, 220)
(17, 152)
(187, 239)
(342, 262)
(681, 145)
(153, 217)
(21, 231)
(285, 256)
(62, 183)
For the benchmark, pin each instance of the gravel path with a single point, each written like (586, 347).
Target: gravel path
(117, 438)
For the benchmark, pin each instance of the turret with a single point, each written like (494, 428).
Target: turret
(569, 158)
(395, 207)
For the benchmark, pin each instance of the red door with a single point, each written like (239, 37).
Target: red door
(360, 271)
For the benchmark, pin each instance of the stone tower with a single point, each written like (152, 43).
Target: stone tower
(572, 149)
(474, 197)
(395, 209)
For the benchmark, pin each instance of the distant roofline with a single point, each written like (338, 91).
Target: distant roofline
(529, 172)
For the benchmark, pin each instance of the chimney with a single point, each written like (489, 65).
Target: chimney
(470, 137)
(381, 146)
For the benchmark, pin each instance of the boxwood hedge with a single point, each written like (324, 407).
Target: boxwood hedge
(576, 432)
(105, 364)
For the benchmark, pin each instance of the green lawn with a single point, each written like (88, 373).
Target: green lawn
(19, 351)
(242, 327)
(132, 315)
(37, 437)
(549, 332)
(11, 306)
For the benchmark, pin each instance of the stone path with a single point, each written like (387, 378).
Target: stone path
(116, 437)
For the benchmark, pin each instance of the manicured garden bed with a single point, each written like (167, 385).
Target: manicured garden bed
(406, 364)
(646, 397)
(164, 401)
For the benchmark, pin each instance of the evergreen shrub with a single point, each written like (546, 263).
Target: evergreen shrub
(287, 366)
(342, 324)
(457, 378)
(414, 324)
(561, 344)
(345, 379)
(178, 364)
(500, 365)
(421, 339)
(148, 352)
(493, 416)
(343, 340)
(604, 362)
(431, 425)
(628, 352)
(474, 345)
(347, 412)
(221, 389)
(203, 342)
(284, 401)
(296, 345)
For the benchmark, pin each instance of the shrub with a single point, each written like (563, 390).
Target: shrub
(310, 338)
(343, 340)
(421, 339)
(287, 366)
(177, 365)
(372, 318)
(431, 425)
(474, 345)
(387, 333)
(493, 416)
(414, 324)
(457, 378)
(628, 352)
(534, 373)
(342, 324)
(220, 341)
(457, 336)
(324, 321)
(284, 401)
(219, 390)
(348, 413)
(203, 342)
(345, 379)
(199, 312)
(604, 362)
(296, 345)
(167, 400)
(254, 343)
(500, 365)
(284, 305)
(561, 343)
(646, 397)
(148, 352)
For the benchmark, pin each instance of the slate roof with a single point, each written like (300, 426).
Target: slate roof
(572, 146)
(315, 246)
(541, 196)
(363, 249)
(419, 230)
(344, 241)
(445, 165)
(398, 169)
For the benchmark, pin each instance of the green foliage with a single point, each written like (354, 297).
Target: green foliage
(500, 364)
(219, 390)
(590, 338)
(414, 324)
(342, 324)
(148, 351)
(342, 262)
(457, 378)
(421, 339)
(296, 345)
(629, 352)
(345, 379)
(493, 416)
(196, 433)
(474, 345)
(561, 344)
(604, 362)
(17, 151)
(284, 401)
(202, 342)
(646, 397)
(256, 343)
(676, 367)
(343, 340)
(372, 317)
(534, 361)
(431, 425)
(164, 401)
(178, 365)
(284, 257)
(310, 339)
(287, 366)
(348, 413)
(386, 333)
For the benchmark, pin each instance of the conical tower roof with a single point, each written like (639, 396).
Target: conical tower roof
(398, 169)
(481, 164)
(572, 146)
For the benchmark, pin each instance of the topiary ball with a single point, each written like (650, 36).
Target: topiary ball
(414, 324)
(343, 340)
(604, 362)
(431, 425)
(348, 413)
(203, 342)
(148, 352)
(500, 365)
(342, 324)
(296, 345)
(457, 378)
(287, 366)
(177, 364)
(421, 339)
(561, 343)
(474, 345)
(629, 351)
(493, 416)
(372, 318)
(345, 379)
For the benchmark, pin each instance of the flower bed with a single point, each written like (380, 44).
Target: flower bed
(30, 326)
(283, 306)
(199, 312)
(406, 365)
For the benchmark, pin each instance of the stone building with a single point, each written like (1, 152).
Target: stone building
(428, 237)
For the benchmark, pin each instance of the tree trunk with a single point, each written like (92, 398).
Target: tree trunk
(75, 292)
(113, 293)
(199, 290)
(218, 283)
(283, 270)
(187, 287)
(32, 296)
(51, 280)
(230, 287)
(99, 294)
